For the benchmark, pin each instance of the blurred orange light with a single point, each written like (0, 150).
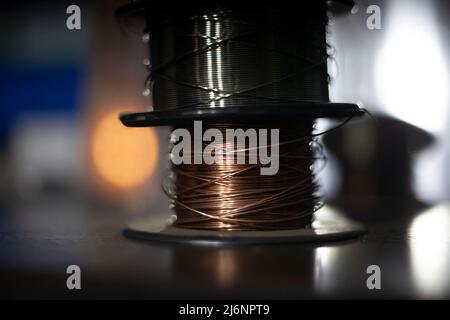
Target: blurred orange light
(124, 157)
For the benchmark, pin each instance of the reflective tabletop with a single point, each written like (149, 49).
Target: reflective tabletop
(38, 242)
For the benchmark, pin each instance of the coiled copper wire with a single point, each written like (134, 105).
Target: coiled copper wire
(237, 197)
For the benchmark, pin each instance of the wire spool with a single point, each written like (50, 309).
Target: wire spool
(236, 64)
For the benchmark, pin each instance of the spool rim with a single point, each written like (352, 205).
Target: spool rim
(233, 114)
(136, 10)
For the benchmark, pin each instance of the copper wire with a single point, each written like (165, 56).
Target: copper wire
(237, 197)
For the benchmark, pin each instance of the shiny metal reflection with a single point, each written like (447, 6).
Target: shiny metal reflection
(224, 57)
(429, 241)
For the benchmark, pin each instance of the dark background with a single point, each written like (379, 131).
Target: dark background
(71, 176)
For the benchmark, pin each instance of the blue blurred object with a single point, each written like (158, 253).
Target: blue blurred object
(37, 89)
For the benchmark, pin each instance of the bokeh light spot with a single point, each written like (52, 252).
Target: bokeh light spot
(123, 157)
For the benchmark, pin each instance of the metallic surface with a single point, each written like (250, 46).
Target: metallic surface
(217, 54)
